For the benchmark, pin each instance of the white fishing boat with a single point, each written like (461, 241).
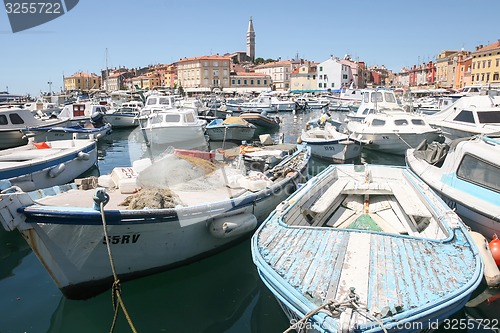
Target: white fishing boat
(14, 119)
(280, 104)
(328, 143)
(466, 174)
(392, 132)
(230, 129)
(375, 101)
(158, 103)
(177, 127)
(349, 99)
(153, 216)
(43, 164)
(470, 115)
(366, 249)
(82, 121)
(259, 104)
(123, 117)
(307, 103)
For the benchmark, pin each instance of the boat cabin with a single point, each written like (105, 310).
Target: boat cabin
(164, 102)
(177, 117)
(11, 118)
(396, 122)
(81, 110)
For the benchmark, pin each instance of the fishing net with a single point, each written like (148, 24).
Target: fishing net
(153, 198)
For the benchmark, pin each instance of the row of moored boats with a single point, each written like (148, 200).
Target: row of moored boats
(355, 248)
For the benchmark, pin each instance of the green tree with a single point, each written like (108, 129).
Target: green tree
(181, 90)
(259, 61)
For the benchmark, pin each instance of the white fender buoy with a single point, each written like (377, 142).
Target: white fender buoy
(234, 225)
(83, 156)
(491, 271)
(57, 170)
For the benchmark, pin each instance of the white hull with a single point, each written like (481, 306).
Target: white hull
(457, 131)
(336, 151)
(122, 121)
(284, 106)
(186, 137)
(396, 143)
(64, 133)
(31, 169)
(12, 138)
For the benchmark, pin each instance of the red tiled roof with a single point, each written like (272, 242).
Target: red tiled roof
(212, 57)
(274, 64)
(250, 74)
(489, 47)
(82, 74)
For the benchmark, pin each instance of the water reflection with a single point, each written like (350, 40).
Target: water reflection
(13, 248)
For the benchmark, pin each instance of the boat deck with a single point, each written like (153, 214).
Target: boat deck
(84, 198)
(321, 264)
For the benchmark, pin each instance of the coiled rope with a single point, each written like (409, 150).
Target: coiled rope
(102, 199)
(335, 307)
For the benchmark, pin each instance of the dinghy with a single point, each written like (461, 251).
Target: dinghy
(366, 251)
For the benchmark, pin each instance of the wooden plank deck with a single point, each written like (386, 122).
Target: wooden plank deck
(323, 263)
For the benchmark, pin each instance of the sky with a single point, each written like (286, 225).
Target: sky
(112, 33)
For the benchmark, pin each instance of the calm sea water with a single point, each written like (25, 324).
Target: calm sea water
(222, 293)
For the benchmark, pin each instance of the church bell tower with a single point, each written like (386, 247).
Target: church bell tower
(251, 40)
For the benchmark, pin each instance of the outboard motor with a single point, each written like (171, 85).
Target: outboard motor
(97, 119)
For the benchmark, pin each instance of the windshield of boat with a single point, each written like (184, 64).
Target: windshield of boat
(489, 117)
(474, 170)
(389, 97)
(189, 118)
(164, 101)
(376, 97)
(172, 118)
(16, 119)
(465, 116)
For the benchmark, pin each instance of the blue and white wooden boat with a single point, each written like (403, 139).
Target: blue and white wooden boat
(366, 251)
(44, 164)
(230, 129)
(191, 215)
(466, 174)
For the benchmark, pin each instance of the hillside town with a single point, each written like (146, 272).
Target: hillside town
(245, 72)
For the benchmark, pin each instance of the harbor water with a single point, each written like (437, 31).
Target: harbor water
(222, 293)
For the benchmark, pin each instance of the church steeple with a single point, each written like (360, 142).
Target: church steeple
(251, 40)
